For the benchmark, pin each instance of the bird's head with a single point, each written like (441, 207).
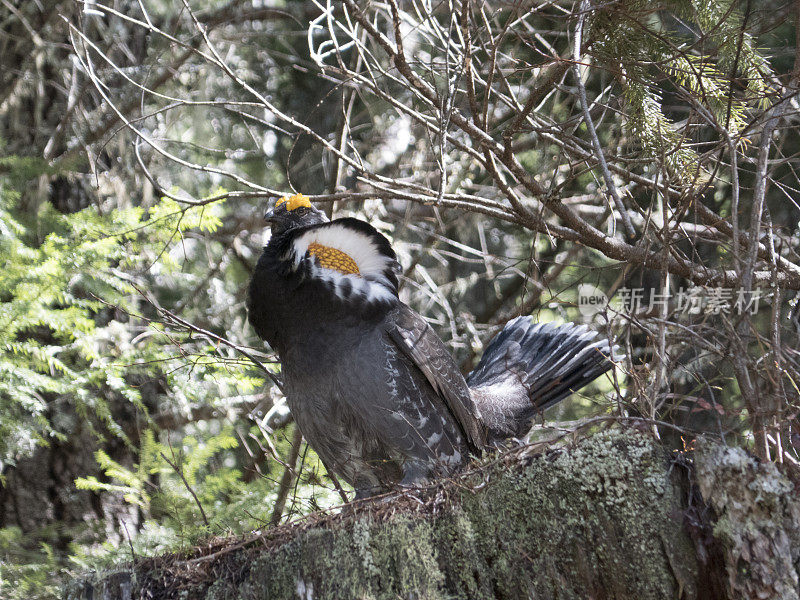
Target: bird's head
(291, 212)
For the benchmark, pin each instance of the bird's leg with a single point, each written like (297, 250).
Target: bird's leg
(415, 472)
(364, 493)
(366, 487)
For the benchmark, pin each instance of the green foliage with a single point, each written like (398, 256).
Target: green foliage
(723, 22)
(63, 273)
(59, 273)
(131, 483)
(77, 341)
(26, 574)
(643, 47)
(160, 483)
(171, 482)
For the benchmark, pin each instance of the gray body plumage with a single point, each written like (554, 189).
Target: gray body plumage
(375, 391)
(369, 413)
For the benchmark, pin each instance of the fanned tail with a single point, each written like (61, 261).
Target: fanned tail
(529, 367)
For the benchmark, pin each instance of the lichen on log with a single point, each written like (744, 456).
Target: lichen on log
(612, 516)
(756, 522)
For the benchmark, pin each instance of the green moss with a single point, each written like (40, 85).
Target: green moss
(758, 521)
(600, 519)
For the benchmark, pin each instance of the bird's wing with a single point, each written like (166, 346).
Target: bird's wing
(417, 340)
(350, 258)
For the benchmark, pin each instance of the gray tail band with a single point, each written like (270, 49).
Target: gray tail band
(546, 362)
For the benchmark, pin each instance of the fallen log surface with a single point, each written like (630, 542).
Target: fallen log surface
(613, 515)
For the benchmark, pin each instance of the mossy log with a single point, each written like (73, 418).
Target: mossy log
(612, 516)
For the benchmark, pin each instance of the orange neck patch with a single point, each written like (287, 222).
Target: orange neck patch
(331, 258)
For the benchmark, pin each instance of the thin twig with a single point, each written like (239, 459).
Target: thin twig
(179, 471)
(587, 119)
(289, 475)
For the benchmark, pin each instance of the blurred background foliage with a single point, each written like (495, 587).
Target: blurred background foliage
(131, 420)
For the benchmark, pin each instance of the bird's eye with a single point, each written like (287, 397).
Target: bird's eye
(302, 211)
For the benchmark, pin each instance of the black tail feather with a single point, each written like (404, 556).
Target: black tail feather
(529, 367)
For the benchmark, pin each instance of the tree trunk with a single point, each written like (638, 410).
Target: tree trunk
(614, 516)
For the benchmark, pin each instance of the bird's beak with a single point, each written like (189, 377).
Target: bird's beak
(269, 216)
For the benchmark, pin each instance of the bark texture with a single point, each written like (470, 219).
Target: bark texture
(614, 516)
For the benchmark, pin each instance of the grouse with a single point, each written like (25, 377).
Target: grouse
(371, 386)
